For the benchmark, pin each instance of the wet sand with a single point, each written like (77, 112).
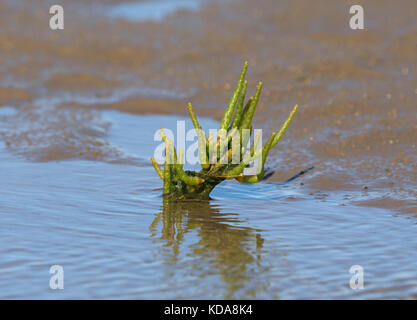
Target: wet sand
(356, 89)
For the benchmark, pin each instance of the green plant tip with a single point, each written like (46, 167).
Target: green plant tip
(180, 184)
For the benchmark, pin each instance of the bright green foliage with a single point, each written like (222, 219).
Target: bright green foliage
(181, 184)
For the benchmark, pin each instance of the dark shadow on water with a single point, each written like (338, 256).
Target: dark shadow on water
(299, 175)
(269, 174)
(218, 244)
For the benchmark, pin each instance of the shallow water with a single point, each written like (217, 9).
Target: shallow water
(107, 226)
(77, 188)
(152, 11)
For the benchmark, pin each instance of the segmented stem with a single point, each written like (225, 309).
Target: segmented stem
(201, 136)
(239, 109)
(285, 126)
(247, 120)
(190, 180)
(231, 107)
(157, 168)
(167, 171)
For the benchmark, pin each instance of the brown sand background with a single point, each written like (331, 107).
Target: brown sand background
(357, 90)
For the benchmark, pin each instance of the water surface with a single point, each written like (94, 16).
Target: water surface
(107, 226)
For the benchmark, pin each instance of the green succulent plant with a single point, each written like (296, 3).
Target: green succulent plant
(216, 156)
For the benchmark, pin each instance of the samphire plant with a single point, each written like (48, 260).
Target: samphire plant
(224, 157)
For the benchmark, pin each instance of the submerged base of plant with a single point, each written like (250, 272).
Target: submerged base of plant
(224, 158)
(179, 189)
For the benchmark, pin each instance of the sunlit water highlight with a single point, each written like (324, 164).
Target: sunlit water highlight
(152, 10)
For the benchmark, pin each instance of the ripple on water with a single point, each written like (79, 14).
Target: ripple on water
(115, 237)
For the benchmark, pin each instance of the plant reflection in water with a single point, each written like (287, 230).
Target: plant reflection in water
(196, 232)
